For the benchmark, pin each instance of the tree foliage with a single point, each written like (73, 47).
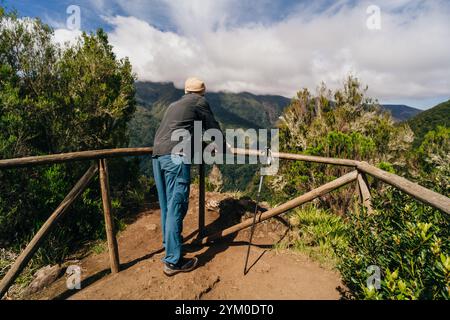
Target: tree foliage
(430, 162)
(340, 124)
(429, 120)
(56, 99)
(408, 241)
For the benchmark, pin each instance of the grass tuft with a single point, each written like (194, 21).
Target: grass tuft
(317, 233)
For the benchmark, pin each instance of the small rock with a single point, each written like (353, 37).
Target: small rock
(43, 278)
(152, 227)
(213, 204)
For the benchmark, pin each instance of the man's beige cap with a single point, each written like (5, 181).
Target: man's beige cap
(194, 84)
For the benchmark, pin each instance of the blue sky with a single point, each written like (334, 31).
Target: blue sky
(53, 12)
(273, 47)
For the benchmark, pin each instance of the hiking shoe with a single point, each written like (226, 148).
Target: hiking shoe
(184, 265)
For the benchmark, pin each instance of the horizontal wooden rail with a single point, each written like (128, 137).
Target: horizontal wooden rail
(427, 196)
(423, 194)
(74, 156)
(125, 152)
(311, 195)
(298, 157)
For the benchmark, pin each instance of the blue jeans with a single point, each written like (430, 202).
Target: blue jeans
(172, 180)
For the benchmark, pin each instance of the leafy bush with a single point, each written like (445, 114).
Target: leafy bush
(408, 241)
(430, 162)
(346, 124)
(57, 99)
(429, 120)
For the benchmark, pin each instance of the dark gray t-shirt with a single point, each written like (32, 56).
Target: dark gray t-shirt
(181, 115)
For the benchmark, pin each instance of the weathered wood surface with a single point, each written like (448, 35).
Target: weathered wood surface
(427, 196)
(73, 156)
(423, 194)
(201, 200)
(125, 152)
(32, 247)
(298, 157)
(309, 196)
(364, 193)
(109, 221)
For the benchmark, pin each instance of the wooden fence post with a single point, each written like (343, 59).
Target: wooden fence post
(364, 192)
(32, 247)
(201, 200)
(109, 222)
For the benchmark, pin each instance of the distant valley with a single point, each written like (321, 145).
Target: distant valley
(233, 110)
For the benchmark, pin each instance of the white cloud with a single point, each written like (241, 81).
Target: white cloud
(408, 58)
(63, 36)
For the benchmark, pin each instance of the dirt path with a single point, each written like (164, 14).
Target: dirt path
(275, 275)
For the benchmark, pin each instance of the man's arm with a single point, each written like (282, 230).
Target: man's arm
(205, 114)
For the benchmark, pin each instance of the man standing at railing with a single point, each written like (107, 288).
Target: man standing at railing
(172, 171)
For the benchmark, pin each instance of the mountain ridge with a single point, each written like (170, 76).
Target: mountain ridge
(165, 92)
(233, 109)
(427, 120)
(401, 112)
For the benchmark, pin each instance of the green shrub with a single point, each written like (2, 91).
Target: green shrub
(430, 163)
(408, 241)
(56, 99)
(318, 233)
(344, 124)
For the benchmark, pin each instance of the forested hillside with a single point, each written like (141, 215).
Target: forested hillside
(401, 112)
(430, 120)
(232, 110)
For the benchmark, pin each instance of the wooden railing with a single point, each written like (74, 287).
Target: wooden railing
(422, 194)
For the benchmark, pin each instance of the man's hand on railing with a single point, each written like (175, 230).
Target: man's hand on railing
(228, 148)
